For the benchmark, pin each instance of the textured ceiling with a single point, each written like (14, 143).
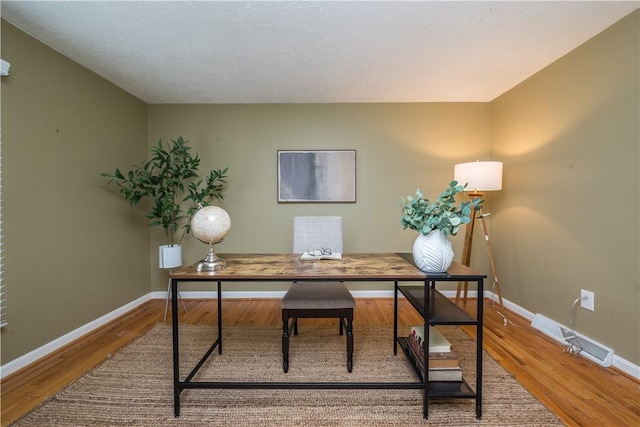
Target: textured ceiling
(314, 51)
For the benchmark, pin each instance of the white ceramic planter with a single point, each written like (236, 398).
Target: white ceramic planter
(170, 256)
(433, 253)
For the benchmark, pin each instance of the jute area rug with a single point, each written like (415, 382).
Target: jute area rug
(134, 386)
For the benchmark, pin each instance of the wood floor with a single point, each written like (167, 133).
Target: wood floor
(578, 391)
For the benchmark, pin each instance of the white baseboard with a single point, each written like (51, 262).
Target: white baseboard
(280, 294)
(40, 352)
(626, 366)
(33, 356)
(618, 362)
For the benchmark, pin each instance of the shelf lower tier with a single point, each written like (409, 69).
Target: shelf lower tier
(456, 389)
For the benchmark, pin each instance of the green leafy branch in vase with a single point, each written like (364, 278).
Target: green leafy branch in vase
(170, 181)
(444, 214)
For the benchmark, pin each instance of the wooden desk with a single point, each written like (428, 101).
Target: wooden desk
(285, 268)
(288, 267)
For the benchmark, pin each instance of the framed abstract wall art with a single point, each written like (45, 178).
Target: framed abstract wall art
(318, 176)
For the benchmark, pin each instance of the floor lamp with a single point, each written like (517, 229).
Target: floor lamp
(479, 177)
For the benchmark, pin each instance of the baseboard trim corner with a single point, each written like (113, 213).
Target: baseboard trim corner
(33, 356)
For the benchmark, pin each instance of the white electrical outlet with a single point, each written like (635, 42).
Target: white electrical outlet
(586, 299)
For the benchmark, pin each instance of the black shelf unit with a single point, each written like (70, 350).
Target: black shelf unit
(436, 309)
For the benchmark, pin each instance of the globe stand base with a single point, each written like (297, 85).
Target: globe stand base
(211, 262)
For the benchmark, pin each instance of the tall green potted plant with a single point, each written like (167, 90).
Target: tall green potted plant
(435, 221)
(169, 180)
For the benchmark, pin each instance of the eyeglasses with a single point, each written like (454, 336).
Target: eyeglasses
(318, 252)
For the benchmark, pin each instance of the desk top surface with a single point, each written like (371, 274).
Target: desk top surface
(286, 267)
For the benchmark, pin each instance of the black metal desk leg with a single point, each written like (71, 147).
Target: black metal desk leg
(426, 317)
(219, 318)
(395, 317)
(479, 354)
(176, 347)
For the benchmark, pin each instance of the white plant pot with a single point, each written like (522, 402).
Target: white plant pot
(170, 256)
(433, 253)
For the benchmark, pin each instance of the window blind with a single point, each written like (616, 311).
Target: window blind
(3, 318)
(4, 65)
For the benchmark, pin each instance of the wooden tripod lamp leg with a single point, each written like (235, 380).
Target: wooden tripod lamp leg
(485, 231)
(466, 255)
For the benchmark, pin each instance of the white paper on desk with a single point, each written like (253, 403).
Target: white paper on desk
(334, 256)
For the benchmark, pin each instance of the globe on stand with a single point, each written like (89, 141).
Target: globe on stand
(210, 225)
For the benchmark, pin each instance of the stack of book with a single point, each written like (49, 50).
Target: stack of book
(443, 360)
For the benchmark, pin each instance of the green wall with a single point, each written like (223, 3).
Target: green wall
(566, 219)
(568, 216)
(399, 147)
(72, 250)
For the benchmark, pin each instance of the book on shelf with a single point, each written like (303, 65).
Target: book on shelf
(333, 256)
(437, 342)
(443, 366)
(451, 375)
(448, 360)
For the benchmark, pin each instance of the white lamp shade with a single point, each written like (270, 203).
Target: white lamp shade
(479, 176)
(170, 256)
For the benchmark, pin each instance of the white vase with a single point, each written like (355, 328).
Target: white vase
(433, 253)
(169, 256)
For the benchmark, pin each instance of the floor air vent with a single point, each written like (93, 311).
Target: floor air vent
(588, 348)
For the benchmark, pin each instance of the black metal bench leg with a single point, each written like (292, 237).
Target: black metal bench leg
(285, 343)
(349, 342)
